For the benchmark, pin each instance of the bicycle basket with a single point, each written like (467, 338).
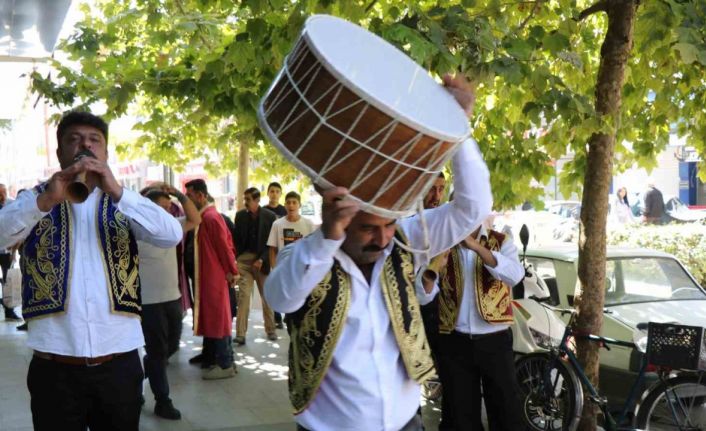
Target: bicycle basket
(676, 346)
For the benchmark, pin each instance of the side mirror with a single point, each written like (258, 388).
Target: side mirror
(524, 236)
(570, 300)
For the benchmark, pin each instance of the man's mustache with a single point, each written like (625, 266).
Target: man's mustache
(373, 247)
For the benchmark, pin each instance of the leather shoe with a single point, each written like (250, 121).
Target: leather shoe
(11, 315)
(239, 340)
(166, 410)
(272, 336)
(196, 359)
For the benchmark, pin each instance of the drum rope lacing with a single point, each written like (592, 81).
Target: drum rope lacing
(432, 153)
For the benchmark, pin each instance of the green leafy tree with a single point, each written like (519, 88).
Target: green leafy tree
(553, 77)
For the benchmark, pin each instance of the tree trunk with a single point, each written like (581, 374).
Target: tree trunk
(243, 166)
(594, 205)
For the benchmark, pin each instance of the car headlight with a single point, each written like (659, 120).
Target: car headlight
(543, 340)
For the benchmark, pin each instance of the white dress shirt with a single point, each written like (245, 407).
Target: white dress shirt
(88, 328)
(509, 270)
(367, 387)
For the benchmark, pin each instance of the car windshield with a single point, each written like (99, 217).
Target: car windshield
(644, 279)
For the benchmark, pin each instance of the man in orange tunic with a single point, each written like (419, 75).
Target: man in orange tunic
(215, 270)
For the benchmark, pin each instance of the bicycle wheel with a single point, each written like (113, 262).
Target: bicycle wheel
(678, 403)
(550, 392)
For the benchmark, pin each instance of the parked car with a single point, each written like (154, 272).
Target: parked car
(641, 286)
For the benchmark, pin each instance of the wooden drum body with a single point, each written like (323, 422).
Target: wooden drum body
(349, 110)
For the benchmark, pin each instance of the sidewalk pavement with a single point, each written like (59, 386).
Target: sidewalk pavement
(255, 400)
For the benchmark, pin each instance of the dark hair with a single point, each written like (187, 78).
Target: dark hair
(253, 192)
(156, 194)
(441, 175)
(73, 118)
(197, 185)
(274, 184)
(624, 199)
(293, 195)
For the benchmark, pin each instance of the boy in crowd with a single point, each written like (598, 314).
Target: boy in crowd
(288, 229)
(274, 192)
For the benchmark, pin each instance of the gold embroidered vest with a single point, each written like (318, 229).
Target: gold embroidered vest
(493, 297)
(48, 260)
(316, 328)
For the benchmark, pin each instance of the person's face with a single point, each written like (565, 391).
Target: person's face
(274, 193)
(3, 194)
(435, 193)
(251, 204)
(197, 198)
(292, 206)
(81, 137)
(622, 192)
(164, 203)
(367, 236)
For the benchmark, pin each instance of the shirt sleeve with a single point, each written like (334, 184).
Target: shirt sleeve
(18, 218)
(509, 270)
(148, 221)
(448, 224)
(300, 267)
(422, 296)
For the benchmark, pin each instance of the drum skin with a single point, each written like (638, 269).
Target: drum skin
(339, 137)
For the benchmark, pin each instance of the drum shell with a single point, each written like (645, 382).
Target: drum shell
(339, 137)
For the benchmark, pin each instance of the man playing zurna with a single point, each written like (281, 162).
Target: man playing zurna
(81, 289)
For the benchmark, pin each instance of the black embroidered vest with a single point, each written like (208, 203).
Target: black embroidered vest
(316, 328)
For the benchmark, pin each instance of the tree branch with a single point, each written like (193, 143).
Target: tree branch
(370, 6)
(534, 10)
(600, 6)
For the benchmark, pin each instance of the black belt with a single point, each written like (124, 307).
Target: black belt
(478, 336)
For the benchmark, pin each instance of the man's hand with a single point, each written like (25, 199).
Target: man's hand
(336, 213)
(232, 279)
(257, 265)
(102, 176)
(463, 91)
(471, 243)
(55, 192)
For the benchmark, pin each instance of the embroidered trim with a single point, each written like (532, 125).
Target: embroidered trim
(307, 369)
(405, 315)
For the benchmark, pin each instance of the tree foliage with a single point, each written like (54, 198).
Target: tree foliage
(194, 71)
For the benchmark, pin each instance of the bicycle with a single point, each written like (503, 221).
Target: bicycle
(552, 382)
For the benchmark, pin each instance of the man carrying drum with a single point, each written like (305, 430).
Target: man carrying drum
(358, 350)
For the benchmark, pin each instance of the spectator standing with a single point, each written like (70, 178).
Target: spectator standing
(654, 205)
(288, 229)
(161, 302)
(6, 258)
(214, 272)
(252, 229)
(274, 193)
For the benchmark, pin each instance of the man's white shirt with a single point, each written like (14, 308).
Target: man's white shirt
(88, 328)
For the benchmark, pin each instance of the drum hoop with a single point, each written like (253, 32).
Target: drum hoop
(319, 180)
(368, 98)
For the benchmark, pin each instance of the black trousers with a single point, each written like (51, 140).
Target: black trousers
(217, 351)
(466, 364)
(5, 262)
(73, 397)
(161, 325)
